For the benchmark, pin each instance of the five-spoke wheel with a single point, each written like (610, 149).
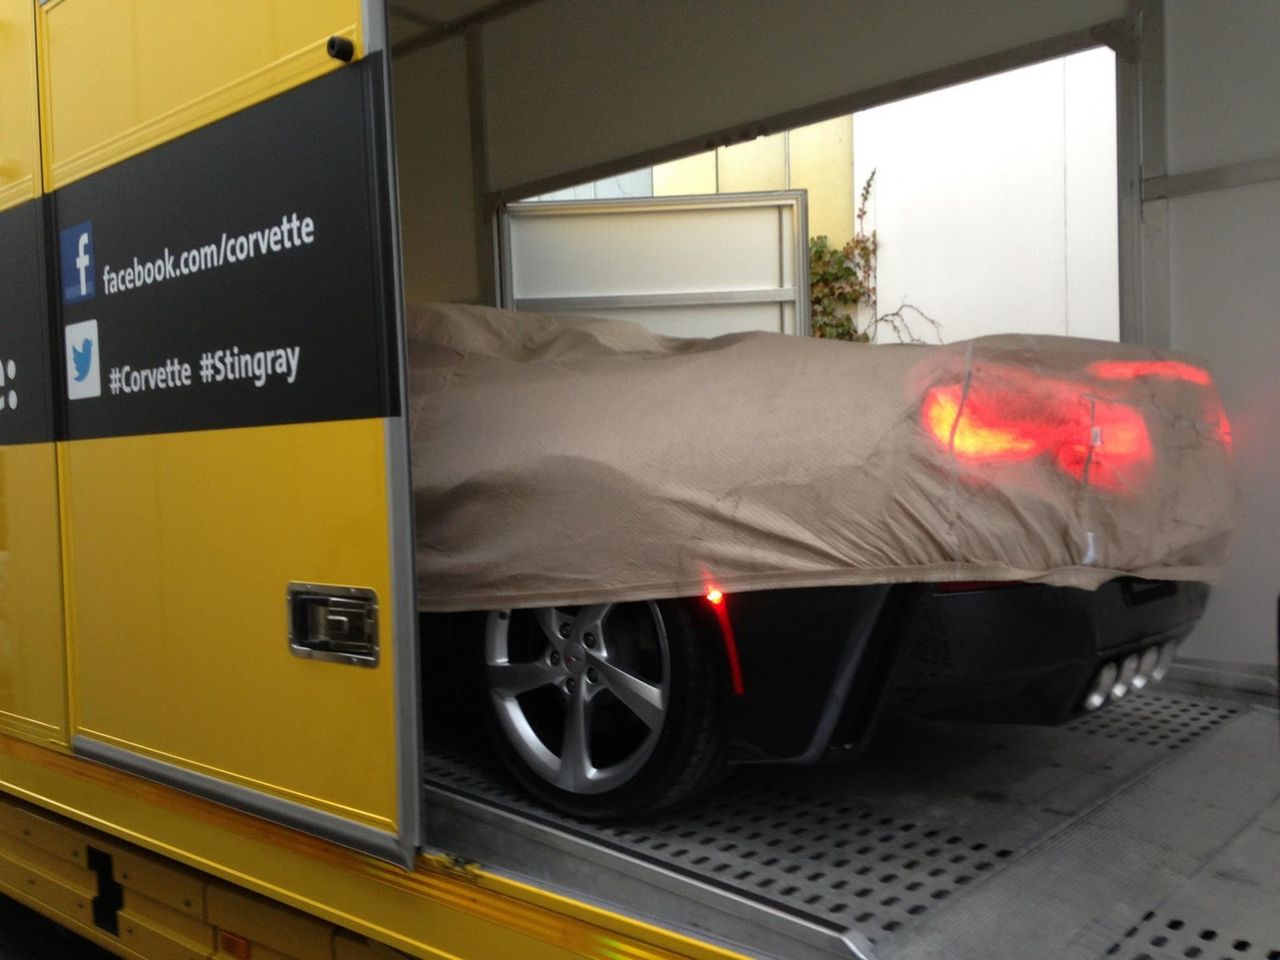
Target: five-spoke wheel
(604, 710)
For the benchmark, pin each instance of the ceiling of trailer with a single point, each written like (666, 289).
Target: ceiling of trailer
(573, 90)
(414, 19)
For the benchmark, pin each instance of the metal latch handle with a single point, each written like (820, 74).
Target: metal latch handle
(334, 623)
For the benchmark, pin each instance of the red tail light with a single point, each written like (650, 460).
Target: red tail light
(1123, 370)
(976, 434)
(1161, 369)
(1224, 428)
(1111, 442)
(1022, 422)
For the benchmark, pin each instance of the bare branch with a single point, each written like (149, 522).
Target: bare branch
(898, 322)
(840, 280)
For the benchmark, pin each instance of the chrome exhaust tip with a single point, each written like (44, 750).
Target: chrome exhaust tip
(1124, 681)
(1164, 661)
(1146, 669)
(1116, 679)
(1101, 689)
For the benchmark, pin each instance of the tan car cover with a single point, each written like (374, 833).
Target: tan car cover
(567, 460)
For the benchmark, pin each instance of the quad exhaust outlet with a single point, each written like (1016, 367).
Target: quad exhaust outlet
(1136, 671)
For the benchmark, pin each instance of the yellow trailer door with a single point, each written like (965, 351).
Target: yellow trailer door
(234, 480)
(32, 662)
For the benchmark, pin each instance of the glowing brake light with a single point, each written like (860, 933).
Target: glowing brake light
(1160, 369)
(1106, 440)
(1129, 370)
(970, 434)
(1114, 441)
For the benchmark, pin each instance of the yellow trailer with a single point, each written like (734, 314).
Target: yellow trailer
(211, 687)
(209, 690)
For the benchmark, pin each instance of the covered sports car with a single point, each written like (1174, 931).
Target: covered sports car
(830, 498)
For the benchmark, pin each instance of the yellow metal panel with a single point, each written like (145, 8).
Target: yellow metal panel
(174, 923)
(120, 76)
(349, 946)
(821, 159)
(433, 912)
(153, 879)
(19, 129)
(50, 836)
(179, 552)
(688, 176)
(269, 923)
(32, 657)
(154, 942)
(817, 158)
(69, 874)
(756, 165)
(50, 889)
(80, 920)
(259, 952)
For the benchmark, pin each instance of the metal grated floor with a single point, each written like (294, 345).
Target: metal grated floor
(881, 846)
(1165, 721)
(1159, 936)
(1229, 909)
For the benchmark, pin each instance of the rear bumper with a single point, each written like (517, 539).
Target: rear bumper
(1027, 653)
(813, 662)
(821, 666)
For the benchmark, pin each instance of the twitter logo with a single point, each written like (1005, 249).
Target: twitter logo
(84, 376)
(82, 359)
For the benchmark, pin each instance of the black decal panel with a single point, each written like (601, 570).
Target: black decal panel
(26, 414)
(234, 276)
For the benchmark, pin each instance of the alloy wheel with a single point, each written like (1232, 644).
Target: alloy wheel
(581, 693)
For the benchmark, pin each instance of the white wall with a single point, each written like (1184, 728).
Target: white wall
(1222, 89)
(995, 201)
(637, 183)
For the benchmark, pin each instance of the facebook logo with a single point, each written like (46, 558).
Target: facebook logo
(77, 262)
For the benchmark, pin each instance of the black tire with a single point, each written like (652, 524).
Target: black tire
(689, 754)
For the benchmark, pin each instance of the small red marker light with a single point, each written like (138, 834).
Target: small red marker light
(234, 945)
(715, 597)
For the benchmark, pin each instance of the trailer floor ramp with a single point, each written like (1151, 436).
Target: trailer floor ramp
(1149, 831)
